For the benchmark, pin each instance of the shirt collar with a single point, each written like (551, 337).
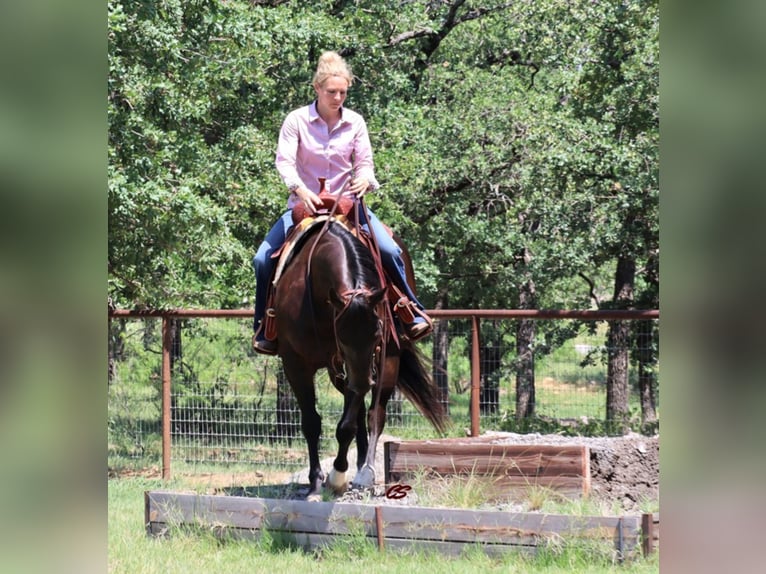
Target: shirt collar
(314, 113)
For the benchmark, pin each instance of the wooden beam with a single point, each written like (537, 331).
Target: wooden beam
(507, 468)
(650, 532)
(314, 524)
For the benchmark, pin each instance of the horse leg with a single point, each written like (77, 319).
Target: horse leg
(345, 433)
(302, 384)
(362, 442)
(376, 420)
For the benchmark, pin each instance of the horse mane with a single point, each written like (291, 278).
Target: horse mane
(359, 258)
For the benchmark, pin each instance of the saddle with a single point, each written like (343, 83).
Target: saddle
(331, 205)
(304, 222)
(339, 209)
(295, 238)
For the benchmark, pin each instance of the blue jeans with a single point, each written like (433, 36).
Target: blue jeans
(390, 254)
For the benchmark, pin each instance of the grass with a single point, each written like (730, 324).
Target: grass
(471, 491)
(451, 491)
(198, 549)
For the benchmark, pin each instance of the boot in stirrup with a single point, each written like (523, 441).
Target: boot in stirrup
(260, 343)
(415, 323)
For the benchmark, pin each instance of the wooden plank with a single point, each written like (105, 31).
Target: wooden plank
(647, 534)
(518, 460)
(493, 527)
(505, 488)
(311, 523)
(379, 528)
(256, 513)
(561, 467)
(585, 471)
(650, 532)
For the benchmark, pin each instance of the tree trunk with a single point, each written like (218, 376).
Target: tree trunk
(116, 352)
(176, 346)
(489, 396)
(646, 371)
(647, 343)
(150, 334)
(525, 359)
(440, 352)
(618, 346)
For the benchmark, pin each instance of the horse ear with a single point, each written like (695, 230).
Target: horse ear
(336, 300)
(376, 296)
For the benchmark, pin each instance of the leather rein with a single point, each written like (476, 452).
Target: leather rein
(386, 321)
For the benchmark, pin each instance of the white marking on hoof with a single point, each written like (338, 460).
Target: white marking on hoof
(337, 481)
(314, 498)
(365, 478)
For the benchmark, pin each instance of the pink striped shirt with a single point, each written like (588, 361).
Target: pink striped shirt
(306, 151)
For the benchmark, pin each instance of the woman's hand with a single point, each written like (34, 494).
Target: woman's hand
(310, 199)
(358, 186)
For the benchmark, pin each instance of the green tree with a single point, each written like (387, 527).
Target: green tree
(516, 142)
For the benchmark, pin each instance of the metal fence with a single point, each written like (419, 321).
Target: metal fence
(185, 386)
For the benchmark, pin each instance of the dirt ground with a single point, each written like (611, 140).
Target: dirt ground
(625, 470)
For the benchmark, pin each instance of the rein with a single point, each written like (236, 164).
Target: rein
(348, 297)
(386, 318)
(320, 233)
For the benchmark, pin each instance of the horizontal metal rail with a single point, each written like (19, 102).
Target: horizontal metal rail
(585, 315)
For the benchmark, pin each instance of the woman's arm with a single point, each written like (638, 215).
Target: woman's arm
(364, 166)
(287, 152)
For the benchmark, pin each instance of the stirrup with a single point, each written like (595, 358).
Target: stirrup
(407, 313)
(261, 344)
(416, 331)
(264, 346)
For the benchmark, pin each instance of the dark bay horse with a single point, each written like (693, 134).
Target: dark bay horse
(330, 313)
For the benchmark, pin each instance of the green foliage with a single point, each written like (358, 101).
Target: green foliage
(517, 144)
(508, 153)
(468, 490)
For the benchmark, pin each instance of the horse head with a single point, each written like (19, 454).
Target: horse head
(358, 326)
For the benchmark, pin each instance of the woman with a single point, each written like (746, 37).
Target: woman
(326, 140)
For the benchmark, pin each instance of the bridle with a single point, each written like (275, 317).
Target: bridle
(385, 318)
(348, 296)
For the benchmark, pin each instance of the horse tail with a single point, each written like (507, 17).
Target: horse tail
(417, 385)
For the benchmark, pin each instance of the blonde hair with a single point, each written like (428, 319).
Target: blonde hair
(332, 64)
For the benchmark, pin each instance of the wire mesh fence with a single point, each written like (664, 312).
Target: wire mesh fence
(232, 407)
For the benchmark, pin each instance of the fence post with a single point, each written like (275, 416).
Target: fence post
(475, 376)
(647, 533)
(167, 341)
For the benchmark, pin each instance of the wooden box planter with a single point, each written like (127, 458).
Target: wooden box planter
(446, 530)
(507, 469)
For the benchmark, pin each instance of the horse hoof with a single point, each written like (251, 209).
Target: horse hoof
(365, 478)
(337, 481)
(314, 498)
